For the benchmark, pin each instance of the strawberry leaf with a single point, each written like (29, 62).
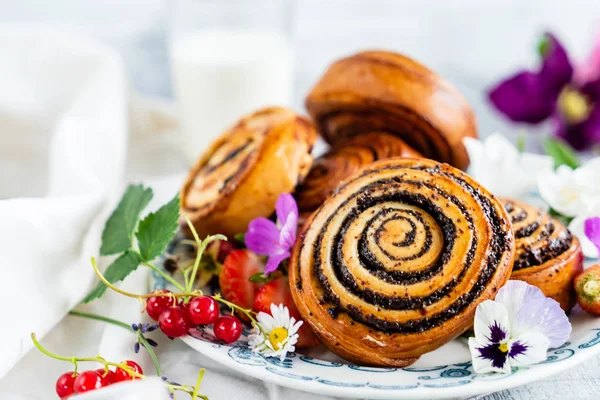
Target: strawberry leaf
(117, 271)
(118, 231)
(157, 229)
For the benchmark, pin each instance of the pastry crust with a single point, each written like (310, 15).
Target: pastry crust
(547, 254)
(395, 262)
(343, 160)
(388, 92)
(245, 170)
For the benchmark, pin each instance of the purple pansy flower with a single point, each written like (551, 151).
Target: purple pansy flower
(516, 329)
(592, 231)
(266, 238)
(553, 92)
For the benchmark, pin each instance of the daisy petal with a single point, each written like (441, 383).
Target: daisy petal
(528, 348)
(491, 323)
(262, 236)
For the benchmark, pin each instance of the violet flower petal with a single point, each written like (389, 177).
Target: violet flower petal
(530, 311)
(274, 261)
(524, 97)
(592, 231)
(288, 232)
(557, 70)
(491, 323)
(286, 206)
(592, 90)
(262, 236)
(529, 348)
(591, 127)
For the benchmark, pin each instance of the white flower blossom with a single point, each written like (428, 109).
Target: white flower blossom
(276, 334)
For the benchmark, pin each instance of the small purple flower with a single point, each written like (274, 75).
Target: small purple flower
(516, 329)
(554, 92)
(592, 231)
(264, 237)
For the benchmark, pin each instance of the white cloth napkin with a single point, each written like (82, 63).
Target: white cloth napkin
(63, 132)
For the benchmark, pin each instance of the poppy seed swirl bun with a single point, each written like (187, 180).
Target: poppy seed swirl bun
(244, 171)
(381, 91)
(547, 254)
(343, 160)
(395, 262)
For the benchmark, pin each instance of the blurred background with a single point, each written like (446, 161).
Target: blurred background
(472, 43)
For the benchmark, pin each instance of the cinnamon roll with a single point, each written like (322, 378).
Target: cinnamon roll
(388, 92)
(394, 264)
(547, 254)
(346, 158)
(243, 172)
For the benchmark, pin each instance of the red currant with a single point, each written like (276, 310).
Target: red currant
(203, 310)
(227, 328)
(156, 305)
(88, 380)
(108, 376)
(121, 375)
(224, 249)
(64, 384)
(173, 322)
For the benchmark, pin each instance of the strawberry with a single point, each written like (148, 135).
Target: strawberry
(278, 292)
(587, 287)
(234, 281)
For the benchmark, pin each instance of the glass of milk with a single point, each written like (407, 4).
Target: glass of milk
(228, 58)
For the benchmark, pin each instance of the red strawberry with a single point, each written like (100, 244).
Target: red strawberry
(587, 287)
(234, 279)
(278, 292)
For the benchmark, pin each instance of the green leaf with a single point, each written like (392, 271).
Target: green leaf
(260, 277)
(240, 237)
(157, 229)
(561, 153)
(117, 271)
(118, 231)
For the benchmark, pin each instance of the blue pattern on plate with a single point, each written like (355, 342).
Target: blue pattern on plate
(442, 376)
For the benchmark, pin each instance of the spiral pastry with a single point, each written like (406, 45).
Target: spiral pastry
(243, 172)
(547, 254)
(346, 158)
(388, 92)
(394, 264)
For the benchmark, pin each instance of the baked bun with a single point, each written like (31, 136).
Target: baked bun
(343, 160)
(245, 170)
(387, 92)
(395, 262)
(547, 254)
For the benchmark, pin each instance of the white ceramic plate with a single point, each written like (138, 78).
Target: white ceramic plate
(442, 374)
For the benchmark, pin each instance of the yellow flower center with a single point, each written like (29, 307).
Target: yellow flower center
(277, 337)
(574, 106)
(503, 347)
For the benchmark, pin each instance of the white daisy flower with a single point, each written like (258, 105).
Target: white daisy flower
(277, 334)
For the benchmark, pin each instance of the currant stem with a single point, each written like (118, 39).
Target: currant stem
(198, 382)
(164, 275)
(138, 296)
(144, 342)
(201, 247)
(75, 360)
(100, 318)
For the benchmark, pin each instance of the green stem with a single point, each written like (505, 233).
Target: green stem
(150, 350)
(140, 336)
(201, 247)
(101, 318)
(198, 382)
(164, 275)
